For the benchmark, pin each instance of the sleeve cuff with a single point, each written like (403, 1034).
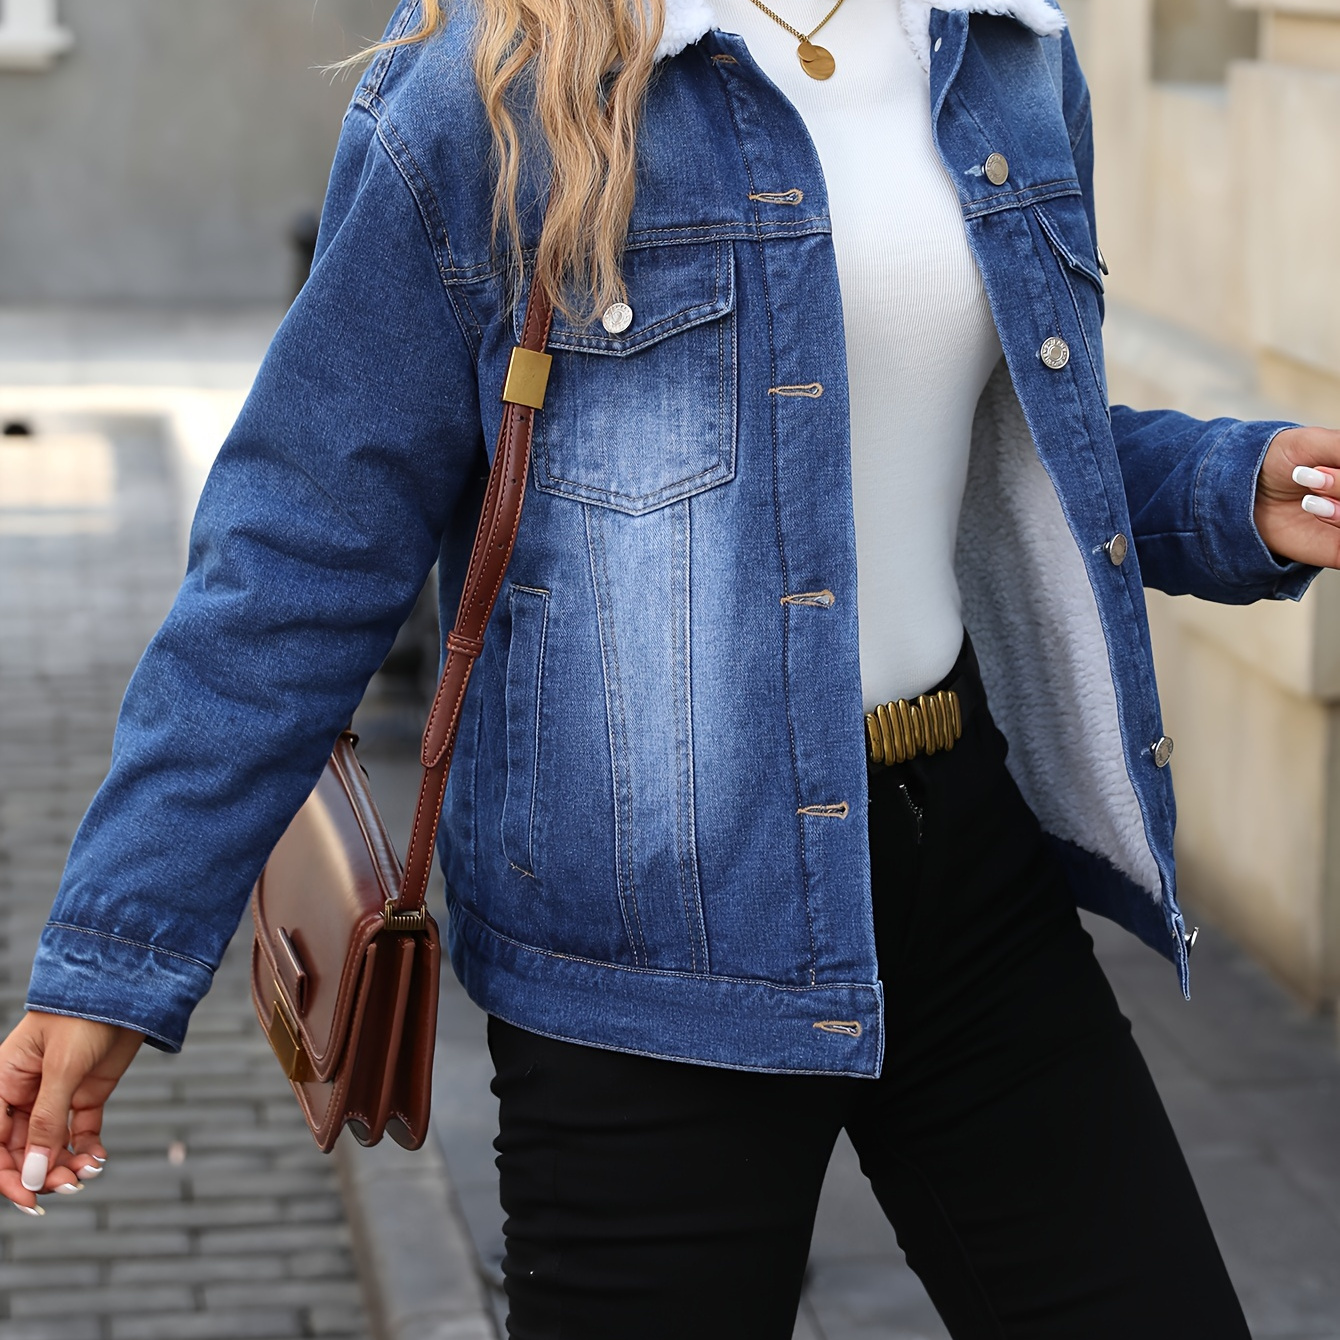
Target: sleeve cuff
(91, 974)
(1225, 509)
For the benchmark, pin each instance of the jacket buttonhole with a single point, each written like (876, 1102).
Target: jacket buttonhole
(847, 1028)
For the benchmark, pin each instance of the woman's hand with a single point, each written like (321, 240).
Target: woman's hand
(1298, 497)
(55, 1075)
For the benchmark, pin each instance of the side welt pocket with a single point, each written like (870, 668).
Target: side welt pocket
(529, 608)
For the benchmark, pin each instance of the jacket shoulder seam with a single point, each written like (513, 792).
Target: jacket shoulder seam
(434, 225)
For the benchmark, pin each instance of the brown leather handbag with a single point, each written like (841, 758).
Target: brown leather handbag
(345, 963)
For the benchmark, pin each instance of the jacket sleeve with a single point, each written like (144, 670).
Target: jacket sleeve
(1190, 485)
(1191, 489)
(319, 522)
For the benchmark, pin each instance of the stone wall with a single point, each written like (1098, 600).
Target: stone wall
(1218, 204)
(163, 157)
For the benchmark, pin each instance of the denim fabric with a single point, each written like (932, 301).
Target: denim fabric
(655, 833)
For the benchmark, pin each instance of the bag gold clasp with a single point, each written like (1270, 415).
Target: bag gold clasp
(287, 1045)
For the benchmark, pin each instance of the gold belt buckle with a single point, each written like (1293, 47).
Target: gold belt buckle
(896, 732)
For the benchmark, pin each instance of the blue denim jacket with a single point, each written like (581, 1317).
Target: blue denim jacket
(655, 833)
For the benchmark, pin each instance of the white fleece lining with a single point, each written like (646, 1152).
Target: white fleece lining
(688, 20)
(1037, 15)
(685, 22)
(1030, 609)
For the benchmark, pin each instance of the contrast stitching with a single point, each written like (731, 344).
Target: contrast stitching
(847, 1028)
(823, 600)
(1029, 195)
(35, 1004)
(458, 907)
(134, 944)
(428, 205)
(685, 318)
(672, 234)
(810, 390)
(840, 811)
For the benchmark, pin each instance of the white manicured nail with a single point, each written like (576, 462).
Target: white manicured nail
(97, 1158)
(35, 1169)
(88, 1172)
(1306, 477)
(69, 1188)
(35, 1210)
(1322, 507)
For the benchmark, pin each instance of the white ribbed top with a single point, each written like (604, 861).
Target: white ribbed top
(921, 341)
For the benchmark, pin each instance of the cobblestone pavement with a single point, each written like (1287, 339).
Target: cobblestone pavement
(217, 1219)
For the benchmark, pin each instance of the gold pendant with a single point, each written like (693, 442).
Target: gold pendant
(816, 61)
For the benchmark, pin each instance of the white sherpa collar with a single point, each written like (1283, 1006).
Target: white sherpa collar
(688, 20)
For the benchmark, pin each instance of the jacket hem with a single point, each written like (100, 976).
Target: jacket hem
(732, 1023)
(1101, 888)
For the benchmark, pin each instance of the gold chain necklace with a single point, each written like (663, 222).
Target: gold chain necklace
(816, 61)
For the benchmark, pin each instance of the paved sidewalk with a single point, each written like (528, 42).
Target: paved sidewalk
(217, 1219)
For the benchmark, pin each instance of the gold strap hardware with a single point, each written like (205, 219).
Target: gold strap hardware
(283, 1035)
(899, 731)
(527, 378)
(404, 921)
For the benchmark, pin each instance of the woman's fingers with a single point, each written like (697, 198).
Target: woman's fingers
(1320, 498)
(1298, 496)
(49, 1120)
(55, 1075)
(86, 1154)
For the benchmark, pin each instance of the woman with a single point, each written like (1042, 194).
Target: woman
(713, 919)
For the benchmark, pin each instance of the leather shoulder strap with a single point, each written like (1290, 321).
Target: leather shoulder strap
(523, 395)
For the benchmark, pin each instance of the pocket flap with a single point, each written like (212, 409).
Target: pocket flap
(1067, 228)
(670, 288)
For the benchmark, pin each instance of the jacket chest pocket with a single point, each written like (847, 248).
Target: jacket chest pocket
(640, 412)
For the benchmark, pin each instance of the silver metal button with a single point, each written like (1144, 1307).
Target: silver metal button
(1055, 353)
(1191, 939)
(997, 169)
(1117, 548)
(618, 316)
(1102, 261)
(1162, 751)
(939, 42)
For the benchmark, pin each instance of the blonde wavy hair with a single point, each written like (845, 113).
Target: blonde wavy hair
(585, 66)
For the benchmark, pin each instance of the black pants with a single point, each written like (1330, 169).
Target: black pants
(1015, 1141)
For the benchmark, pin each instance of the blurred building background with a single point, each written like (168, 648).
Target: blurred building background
(165, 154)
